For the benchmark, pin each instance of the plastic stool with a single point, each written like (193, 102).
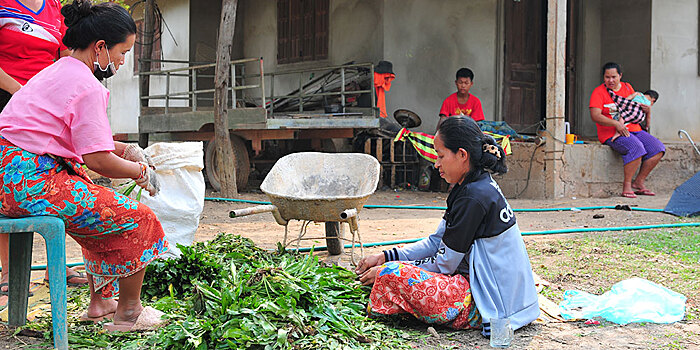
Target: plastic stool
(21, 232)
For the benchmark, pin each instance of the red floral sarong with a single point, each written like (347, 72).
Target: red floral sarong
(119, 236)
(433, 298)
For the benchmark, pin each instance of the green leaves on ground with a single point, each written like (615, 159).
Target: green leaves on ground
(229, 294)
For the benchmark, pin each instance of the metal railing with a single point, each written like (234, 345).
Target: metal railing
(337, 78)
(193, 73)
(300, 95)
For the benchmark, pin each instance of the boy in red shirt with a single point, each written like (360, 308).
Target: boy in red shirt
(462, 102)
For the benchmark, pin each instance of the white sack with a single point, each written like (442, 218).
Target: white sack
(180, 201)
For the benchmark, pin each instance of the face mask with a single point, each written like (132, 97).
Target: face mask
(100, 73)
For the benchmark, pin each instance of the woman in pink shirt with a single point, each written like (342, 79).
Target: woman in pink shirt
(56, 124)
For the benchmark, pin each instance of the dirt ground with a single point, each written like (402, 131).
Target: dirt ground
(379, 225)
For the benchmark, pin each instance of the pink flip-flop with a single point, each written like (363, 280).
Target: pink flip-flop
(629, 195)
(645, 192)
(85, 318)
(149, 319)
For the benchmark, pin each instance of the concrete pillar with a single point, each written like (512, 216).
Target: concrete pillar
(556, 97)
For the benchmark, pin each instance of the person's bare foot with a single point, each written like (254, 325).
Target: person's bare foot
(128, 316)
(639, 186)
(4, 280)
(147, 319)
(73, 278)
(101, 308)
(627, 187)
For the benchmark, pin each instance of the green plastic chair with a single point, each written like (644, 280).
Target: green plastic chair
(21, 231)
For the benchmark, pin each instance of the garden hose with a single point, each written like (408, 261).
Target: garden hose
(528, 233)
(382, 206)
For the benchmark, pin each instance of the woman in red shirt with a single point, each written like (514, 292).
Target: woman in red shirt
(30, 40)
(638, 148)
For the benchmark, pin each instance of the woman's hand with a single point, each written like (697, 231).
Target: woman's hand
(135, 153)
(368, 277)
(148, 179)
(8, 83)
(622, 129)
(369, 262)
(645, 108)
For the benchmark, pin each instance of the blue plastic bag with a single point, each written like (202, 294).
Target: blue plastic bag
(632, 300)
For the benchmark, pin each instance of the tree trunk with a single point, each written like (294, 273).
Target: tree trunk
(225, 160)
(146, 53)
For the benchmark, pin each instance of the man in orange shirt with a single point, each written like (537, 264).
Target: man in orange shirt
(462, 102)
(638, 148)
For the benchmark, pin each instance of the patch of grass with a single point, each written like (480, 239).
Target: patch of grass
(594, 262)
(683, 243)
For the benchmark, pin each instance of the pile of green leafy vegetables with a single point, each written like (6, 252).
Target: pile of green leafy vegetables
(229, 294)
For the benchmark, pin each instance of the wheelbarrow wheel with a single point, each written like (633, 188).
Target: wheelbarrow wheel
(334, 229)
(242, 163)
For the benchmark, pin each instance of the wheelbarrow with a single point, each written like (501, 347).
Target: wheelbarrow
(319, 187)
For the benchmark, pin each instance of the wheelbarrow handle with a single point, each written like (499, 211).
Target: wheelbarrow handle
(348, 213)
(257, 210)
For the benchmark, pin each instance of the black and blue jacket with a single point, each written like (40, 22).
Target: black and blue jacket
(479, 236)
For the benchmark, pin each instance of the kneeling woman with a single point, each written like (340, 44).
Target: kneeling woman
(474, 267)
(51, 127)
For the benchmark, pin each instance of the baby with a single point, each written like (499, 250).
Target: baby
(648, 98)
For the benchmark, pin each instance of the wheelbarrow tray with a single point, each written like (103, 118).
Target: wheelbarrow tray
(318, 186)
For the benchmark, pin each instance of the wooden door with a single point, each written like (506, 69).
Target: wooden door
(525, 31)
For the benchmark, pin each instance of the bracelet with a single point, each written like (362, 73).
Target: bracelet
(143, 173)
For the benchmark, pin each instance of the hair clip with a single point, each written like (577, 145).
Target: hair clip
(492, 149)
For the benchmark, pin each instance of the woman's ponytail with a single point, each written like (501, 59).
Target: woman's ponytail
(88, 23)
(493, 157)
(76, 11)
(484, 153)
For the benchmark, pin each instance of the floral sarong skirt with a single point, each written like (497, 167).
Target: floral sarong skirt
(118, 235)
(433, 298)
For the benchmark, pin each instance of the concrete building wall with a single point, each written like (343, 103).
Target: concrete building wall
(356, 31)
(588, 64)
(626, 39)
(175, 45)
(427, 43)
(123, 109)
(205, 17)
(355, 34)
(674, 68)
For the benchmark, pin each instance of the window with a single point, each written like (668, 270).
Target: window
(155, 53)
(302, 30)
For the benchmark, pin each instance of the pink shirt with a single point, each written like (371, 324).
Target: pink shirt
(61, 111)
